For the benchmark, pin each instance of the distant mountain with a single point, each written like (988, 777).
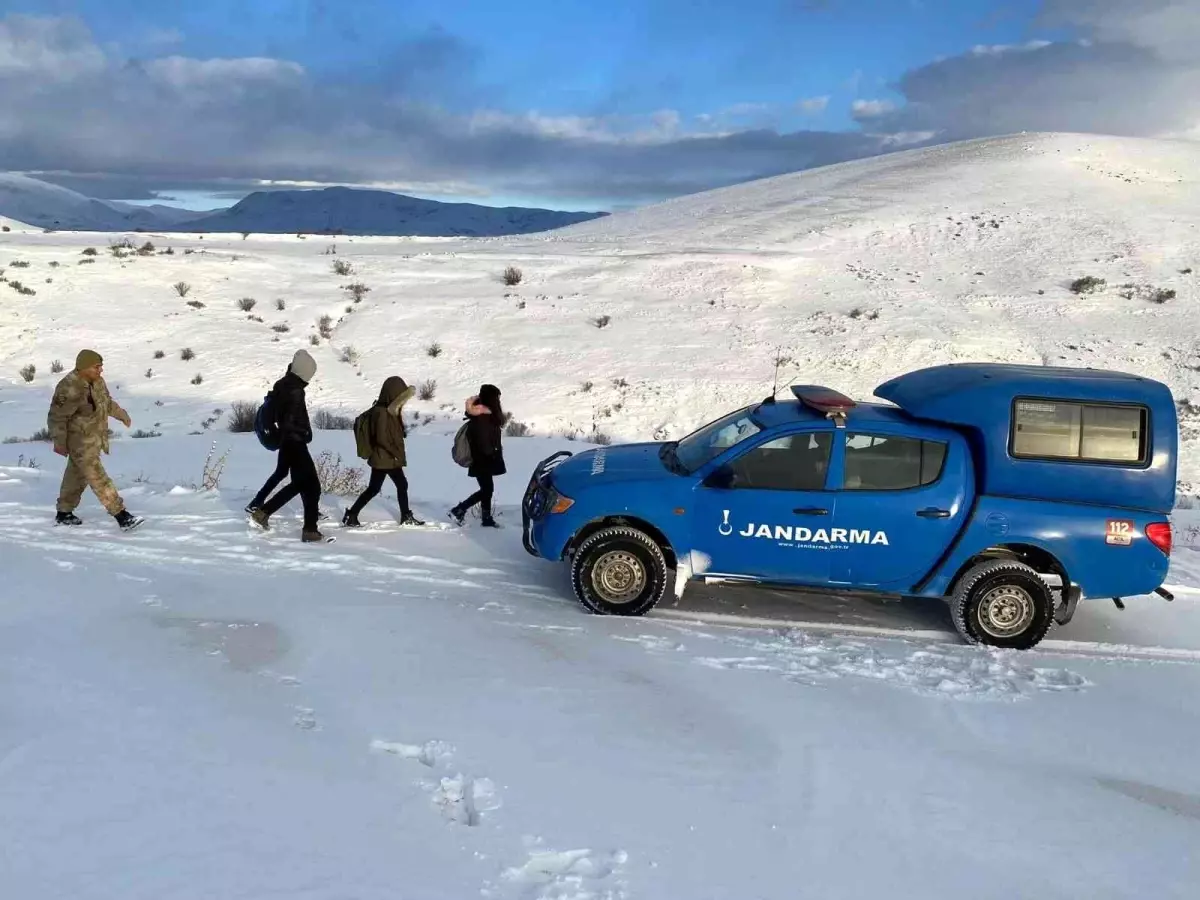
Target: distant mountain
(159, 216)
(44, 205)
(364, 212)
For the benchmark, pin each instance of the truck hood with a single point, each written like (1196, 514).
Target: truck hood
(609, 465)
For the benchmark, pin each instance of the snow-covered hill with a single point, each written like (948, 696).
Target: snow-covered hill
(354, 211)
(646, 323)
(199, 709)
(45, 205)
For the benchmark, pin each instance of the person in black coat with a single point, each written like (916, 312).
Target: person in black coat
(485, 431)
(295, 432)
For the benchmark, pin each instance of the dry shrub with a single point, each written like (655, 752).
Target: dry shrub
(336, 479)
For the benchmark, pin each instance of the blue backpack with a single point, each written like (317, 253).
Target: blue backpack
(264, 425)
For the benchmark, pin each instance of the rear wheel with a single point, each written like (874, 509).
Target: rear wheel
(1002, 603)
(619, 571)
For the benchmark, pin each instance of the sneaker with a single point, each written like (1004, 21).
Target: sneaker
(312, 537)
(409, 519)
(349, 520)
(251, 507)
(127, 521)
(261, 517)
(67, 518)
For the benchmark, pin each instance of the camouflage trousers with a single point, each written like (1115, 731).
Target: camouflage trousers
(86, 470)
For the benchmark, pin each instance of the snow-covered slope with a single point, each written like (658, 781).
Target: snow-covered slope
(13, 224)
(355, 211)
(46, 205)
(200, 710)
(850, 275)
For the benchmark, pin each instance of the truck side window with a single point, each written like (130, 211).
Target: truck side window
(1054, 429)
(884, 462)
(797, 462)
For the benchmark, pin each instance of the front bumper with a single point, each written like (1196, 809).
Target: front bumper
(538, 499)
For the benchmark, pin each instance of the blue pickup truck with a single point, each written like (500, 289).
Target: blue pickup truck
(1012, 491)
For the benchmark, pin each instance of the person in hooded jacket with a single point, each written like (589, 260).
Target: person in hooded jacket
(295, 432)
(387, 459)
(485, 430)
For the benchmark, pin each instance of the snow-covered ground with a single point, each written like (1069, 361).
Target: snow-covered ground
(201, 710)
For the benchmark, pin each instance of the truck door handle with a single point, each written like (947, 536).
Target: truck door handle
(810, 511)
(933, 513)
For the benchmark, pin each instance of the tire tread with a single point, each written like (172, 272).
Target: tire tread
(960, 600)
(618, 532)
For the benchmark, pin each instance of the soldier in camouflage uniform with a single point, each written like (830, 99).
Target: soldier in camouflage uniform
(78, 422)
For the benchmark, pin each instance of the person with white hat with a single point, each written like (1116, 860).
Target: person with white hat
(295, 431)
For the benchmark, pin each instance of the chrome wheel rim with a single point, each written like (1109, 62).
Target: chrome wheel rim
(1006, 611)
(618, 577)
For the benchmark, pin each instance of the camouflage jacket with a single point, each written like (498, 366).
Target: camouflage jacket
(79, 413)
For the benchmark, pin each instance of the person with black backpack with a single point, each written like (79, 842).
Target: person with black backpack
(482, 434)
(290, 427)
(379, 435)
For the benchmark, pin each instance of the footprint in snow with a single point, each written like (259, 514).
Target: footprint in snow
(564, 875)
(464, 798)
(428, 754)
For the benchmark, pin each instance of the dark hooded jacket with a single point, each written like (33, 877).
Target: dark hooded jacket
(387, 425)
(485, 437)
(291, 410)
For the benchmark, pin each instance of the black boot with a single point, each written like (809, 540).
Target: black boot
(67, 518)
(457, 514)
(350, 519)
(127, 521)
(407, 518)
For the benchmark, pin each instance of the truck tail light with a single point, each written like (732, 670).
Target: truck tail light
(1159, 534)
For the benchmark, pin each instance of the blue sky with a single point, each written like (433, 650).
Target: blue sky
(564, 103)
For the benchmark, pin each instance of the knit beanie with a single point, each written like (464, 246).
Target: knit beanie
(489, 392)
(304, 366)
(86, 359)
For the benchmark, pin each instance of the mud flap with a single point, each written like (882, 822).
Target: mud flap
(1065, 611)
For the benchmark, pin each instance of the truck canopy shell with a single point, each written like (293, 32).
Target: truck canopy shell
(980, 398)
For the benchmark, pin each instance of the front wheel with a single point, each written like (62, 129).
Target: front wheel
(619, 571)
(1002, 603)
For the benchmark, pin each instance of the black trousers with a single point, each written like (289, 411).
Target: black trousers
(303, 471)
(376, 484)
(487, 487)
(276, 479)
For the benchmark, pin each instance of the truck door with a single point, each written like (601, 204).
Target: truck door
(758, 514)
(901, 501)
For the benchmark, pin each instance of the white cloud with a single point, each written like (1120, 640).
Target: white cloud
(182, 73)
(69, 105)
(54, 49)
(870, 109)
(1168, 28)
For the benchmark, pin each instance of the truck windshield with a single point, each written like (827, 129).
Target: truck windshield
(714, 439)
